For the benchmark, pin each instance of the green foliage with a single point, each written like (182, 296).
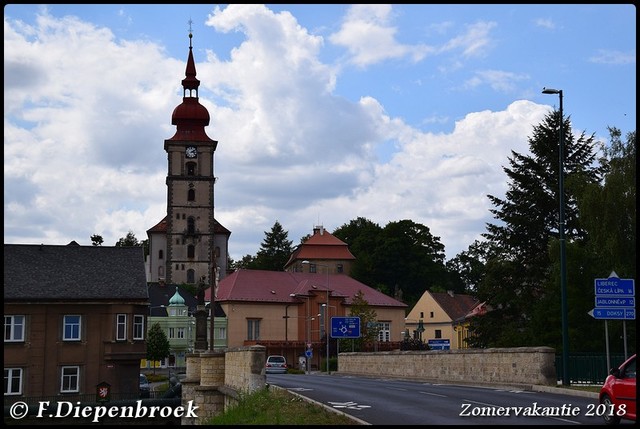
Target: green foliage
(403, 258)
(97, 240)
(274, 251)
(246, 262)
(273, 406)
(413, 344)
(131, 240)
(157, 343)
(368, 325)
(521, 276)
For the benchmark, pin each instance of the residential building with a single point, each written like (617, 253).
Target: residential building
(74, 317)
(290, 312)
(436, 318)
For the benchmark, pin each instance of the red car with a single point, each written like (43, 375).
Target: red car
(618, 393)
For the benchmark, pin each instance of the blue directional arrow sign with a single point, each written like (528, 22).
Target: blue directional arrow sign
(613, 313)
(615, 286)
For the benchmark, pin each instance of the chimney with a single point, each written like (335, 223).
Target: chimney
(318, 229)
(450, 292)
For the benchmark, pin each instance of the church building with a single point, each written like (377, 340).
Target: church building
(189, 245)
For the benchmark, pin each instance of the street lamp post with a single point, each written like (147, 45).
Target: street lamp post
(563, 267)
(326, 318)
(307, 322)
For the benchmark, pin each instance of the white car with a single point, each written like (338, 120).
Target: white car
(275, 364)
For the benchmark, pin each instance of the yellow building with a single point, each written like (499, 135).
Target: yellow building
(437, 318)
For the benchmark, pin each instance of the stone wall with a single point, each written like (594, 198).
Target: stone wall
(508, 366)
(216, 379)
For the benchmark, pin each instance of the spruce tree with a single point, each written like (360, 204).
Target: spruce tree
(521, 280)
(275, 250)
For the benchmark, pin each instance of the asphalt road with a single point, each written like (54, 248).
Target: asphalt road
(385, 401)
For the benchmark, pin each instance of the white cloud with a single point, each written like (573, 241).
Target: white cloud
(86, 117)
(368, 36)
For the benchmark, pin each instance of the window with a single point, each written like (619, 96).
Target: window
(438, 333)
(313, 268)
(13, 329)
(191, 195)
(340, 268)
(253, 329)
(191, 276)
(172, 333)
(191, 251)
(191, 168)
(71, 328)
(431, 314)
(222, 333)
(70, 379)
(160, 254)
(180, 333)
(13, 381)
(422, 315)
(138, 327)
(191, 226)
(121, 327)
(384, 334)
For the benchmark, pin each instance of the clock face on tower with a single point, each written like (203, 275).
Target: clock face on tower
(191, 152)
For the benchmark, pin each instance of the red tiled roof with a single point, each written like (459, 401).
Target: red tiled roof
(277, 286)
(455, 305)
(321, 246)
(162, 227)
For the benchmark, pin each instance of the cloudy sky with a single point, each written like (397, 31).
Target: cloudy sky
(323, 113)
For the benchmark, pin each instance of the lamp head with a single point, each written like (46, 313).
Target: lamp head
(550, 91)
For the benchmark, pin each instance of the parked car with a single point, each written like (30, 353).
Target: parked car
(275, 364)
(145, 387)
(618, 393)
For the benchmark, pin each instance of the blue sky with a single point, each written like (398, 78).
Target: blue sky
(323, 113)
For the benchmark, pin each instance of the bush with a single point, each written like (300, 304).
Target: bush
(413, 344)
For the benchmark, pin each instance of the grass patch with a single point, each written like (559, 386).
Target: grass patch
(585, 388)
(272, 406)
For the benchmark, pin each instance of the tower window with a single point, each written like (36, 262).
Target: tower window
(191, 250)
(191, 195)
(160, 254)
(191, 226)
(191, 276)
(191, 168)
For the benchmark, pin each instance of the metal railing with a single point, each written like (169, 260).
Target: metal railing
(588, 367)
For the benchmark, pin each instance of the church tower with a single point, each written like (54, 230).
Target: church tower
(189, 245)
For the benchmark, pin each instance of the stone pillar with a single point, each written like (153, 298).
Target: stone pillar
(201, 344)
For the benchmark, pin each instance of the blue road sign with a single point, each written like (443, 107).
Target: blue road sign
(614, 301)
(345, 327)
(308, 353)
(439, 344)
(614, 313)
(615, 286)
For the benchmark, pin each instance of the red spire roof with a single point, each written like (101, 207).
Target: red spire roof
(190, 117)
